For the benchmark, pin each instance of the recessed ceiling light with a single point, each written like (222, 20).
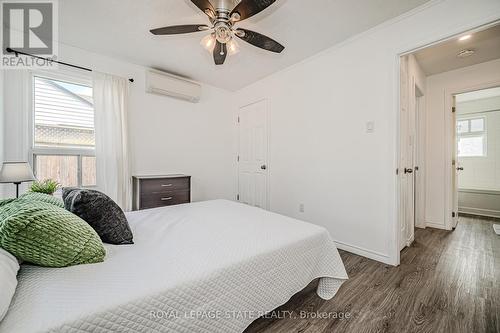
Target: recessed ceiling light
(465, 53)
(464, 38)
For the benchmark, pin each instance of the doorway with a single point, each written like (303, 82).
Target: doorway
(476, 167)
(253, 155)
(432, 171)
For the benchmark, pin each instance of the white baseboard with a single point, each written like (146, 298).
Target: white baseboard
(479, 211)
(435, 225)
(364, 252)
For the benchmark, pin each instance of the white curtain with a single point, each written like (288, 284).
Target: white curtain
(111, 137)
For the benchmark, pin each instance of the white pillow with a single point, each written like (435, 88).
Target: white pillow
(8, 280)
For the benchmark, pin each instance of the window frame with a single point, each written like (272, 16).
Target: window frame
(64, 76)
(470, 134)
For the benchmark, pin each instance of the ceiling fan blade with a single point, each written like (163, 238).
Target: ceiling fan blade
(220, 53)
(259, 40)
(205, 6)
(248, 8)
(179, 29)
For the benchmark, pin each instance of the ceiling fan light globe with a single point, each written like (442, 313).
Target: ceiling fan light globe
(233, 47)
(235, 17)
(208, 42)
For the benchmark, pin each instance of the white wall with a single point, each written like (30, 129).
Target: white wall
(482, 173)
(320, 153)
(167, 135)
(440, 129)
(2, 126)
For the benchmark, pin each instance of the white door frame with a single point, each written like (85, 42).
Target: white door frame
(395, 210)
(268, 135)
(420, 160)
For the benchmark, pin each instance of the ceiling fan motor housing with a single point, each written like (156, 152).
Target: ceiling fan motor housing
(225, 5)
(222, 22)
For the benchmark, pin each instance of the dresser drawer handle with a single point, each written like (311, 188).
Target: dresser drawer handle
(166, 185)
(166, 199)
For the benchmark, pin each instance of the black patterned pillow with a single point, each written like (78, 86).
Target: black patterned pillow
(102, 213)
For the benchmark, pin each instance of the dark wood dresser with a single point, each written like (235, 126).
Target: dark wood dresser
(159, 191)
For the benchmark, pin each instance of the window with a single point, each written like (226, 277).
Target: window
(471, 137)
(63, 131)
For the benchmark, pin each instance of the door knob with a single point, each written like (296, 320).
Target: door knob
(460, 169)
(263, 167)
(408, 170)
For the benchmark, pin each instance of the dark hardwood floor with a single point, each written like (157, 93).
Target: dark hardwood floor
(448, 281)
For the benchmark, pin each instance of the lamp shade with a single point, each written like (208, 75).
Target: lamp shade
(16, 172)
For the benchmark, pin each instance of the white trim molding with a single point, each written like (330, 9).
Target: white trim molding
(436, 226)
(366, 253)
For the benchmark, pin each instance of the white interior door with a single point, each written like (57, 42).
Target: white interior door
(408, 155)
(253, 169)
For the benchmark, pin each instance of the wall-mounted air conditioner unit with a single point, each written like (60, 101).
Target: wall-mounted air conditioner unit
(162, 83)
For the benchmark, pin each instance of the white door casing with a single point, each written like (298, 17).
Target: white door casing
(253, 161)
(455, 167)
(411, 161)
(403, 179)
(420, 138)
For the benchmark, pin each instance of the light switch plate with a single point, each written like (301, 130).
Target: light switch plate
(370, 127)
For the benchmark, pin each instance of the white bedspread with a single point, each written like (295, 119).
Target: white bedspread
(205, 267)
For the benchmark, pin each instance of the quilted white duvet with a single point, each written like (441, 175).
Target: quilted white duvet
(212, 266)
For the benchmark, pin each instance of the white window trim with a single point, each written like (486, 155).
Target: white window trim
(65, 76)
(476, 134)
(69, 76)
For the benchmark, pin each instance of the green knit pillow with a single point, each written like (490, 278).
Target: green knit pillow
(35, 196)
(5, 201)
(46, 235)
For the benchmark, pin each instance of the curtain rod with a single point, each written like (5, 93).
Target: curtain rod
(17, 53)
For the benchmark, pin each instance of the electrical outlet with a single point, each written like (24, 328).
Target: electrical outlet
(301, 208)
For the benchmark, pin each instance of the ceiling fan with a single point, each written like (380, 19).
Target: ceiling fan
(223, 18)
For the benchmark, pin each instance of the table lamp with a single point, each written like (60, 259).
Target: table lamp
(17, 173)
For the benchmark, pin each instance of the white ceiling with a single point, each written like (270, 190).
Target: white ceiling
(120, 28)
(442, 57)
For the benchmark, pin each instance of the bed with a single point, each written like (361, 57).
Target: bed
(211, 266)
